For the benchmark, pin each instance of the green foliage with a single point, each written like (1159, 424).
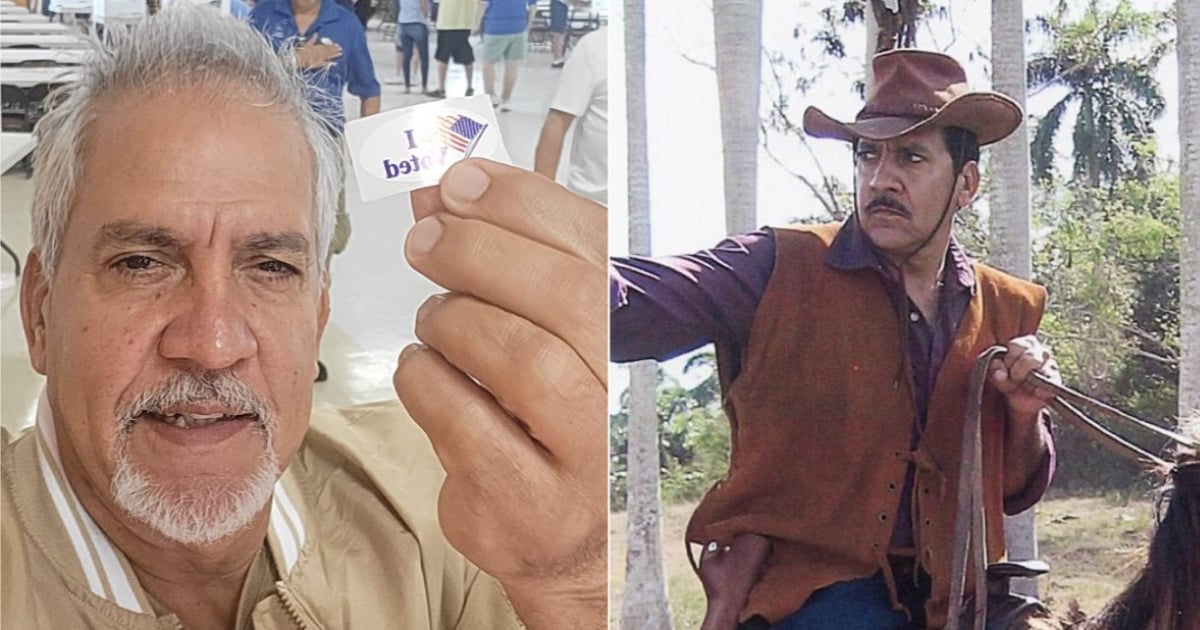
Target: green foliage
(693, 437)
(1106, 62)
(1110, 261)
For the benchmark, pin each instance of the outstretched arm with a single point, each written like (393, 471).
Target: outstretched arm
(664, 307)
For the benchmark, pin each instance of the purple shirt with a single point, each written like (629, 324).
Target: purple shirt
(664, 307)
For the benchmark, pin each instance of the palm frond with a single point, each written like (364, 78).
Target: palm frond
(1041, 149)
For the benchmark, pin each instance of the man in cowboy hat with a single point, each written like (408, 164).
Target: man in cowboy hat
(844, 353)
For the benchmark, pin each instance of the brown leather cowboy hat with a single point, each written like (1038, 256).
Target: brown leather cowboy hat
(915, 89)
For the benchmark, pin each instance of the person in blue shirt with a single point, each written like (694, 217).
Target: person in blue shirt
(505, 24)
(239, 9)
(331, 46)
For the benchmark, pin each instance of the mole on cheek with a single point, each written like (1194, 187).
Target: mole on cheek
(158, 295)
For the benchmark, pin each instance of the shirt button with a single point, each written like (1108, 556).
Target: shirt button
(882, 517)
(913, 316)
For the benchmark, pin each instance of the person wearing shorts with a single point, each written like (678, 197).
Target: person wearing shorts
(505, 26)
(558, 32)
(455, 21)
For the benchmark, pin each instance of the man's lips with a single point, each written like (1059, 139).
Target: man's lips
(193, 420)
(892, 210)
(201, 409)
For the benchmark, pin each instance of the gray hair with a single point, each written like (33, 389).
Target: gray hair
(181, 46)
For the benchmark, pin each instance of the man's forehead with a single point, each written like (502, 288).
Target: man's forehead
(193, 165)
(198, 115)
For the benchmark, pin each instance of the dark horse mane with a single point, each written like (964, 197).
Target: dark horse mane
(1165, 595)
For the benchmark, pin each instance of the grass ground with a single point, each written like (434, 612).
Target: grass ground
(1094, 546)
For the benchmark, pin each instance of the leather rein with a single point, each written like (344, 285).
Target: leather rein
(970, 529)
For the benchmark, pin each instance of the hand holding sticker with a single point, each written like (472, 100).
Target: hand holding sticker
(510, 383)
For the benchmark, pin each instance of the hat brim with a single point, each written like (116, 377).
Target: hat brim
(991, 116)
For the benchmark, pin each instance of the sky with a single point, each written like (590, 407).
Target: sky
(686, 183)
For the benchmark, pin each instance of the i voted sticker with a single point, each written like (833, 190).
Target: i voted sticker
(403, 150)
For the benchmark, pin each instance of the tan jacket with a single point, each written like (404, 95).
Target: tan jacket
(353, 532)
(821, 418)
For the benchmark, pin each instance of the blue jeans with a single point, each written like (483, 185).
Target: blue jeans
(414, 35)
(861, 604)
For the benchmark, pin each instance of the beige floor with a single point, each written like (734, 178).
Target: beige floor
(375, 294)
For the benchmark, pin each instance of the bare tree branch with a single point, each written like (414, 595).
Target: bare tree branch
(830, 207)
(692, 60)
(1145, 336)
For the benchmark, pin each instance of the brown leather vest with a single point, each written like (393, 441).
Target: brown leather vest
(821, 415)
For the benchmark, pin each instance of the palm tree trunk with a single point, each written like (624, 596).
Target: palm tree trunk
(644, 603)
(872, 48)
(738, 28)
(1188, 47)
(1008, 226)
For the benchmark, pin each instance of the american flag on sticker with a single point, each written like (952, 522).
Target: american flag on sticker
(461, 132)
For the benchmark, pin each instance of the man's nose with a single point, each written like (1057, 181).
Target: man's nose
(883, 175)
(211, 331)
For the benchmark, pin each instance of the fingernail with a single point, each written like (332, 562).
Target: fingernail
(429, 305)
(409, 350)
(424, 235)
(466, 183)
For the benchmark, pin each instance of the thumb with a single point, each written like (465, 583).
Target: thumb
(1000, 377)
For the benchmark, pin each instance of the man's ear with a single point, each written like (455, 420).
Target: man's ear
(322, 315)
(323, 307)
(35, 295)
(967, 185)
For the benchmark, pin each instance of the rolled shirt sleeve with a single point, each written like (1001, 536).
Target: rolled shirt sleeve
(577, 83)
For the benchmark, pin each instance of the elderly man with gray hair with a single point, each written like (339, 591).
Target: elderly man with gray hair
(178, 474)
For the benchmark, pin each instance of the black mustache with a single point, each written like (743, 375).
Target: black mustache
(888, 203)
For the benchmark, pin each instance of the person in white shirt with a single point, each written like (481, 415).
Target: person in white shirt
(582, 99)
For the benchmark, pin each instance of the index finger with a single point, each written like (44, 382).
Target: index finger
(522, 202)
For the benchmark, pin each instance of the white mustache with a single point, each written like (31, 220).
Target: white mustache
(188, 388)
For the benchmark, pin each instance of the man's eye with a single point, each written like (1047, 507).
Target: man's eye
(136, 263)
(276, 268)
(865, 154)
(914, 158)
